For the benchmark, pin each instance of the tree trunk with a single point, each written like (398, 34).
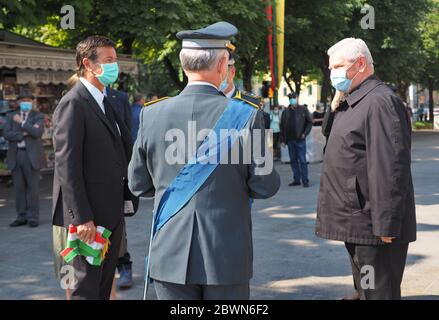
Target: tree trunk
(298, 85)
(174, 74)
(401, 90)
(247, 73)
(326, 86)
(288, 82)
(127, 45)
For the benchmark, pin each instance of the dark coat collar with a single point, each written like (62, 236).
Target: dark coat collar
(363, 89)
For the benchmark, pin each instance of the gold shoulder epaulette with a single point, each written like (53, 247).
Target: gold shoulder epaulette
(154, 101)
(239, 97)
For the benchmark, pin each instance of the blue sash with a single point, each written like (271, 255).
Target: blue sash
(192, 176)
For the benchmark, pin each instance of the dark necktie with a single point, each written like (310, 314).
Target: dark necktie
(23, 116)
(110, 116)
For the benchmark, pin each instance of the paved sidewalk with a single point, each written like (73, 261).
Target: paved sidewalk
(289, 261)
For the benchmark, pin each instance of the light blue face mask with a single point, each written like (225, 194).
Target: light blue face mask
(25, 106)
(110, 72)
(224, 84)
(339, 79)
(293, 101)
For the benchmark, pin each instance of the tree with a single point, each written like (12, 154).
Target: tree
(311, 27)
(429, 74)
(396, 40)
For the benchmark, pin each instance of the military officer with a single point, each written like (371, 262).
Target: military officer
(203, 249)
(228, 85)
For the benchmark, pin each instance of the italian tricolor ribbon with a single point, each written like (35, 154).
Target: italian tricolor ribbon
(94, 253)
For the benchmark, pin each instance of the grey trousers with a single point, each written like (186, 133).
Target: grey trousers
(387, 262)
(26, 184)
(174, 291)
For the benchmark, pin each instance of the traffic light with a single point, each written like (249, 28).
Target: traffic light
(266, 86)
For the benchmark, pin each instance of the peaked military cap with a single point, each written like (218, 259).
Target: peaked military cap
(215, 36)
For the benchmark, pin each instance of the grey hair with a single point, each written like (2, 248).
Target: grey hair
(351, 49)
(200, 59)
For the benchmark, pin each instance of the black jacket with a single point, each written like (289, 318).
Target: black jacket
(91, 161)
(14, 133)
(366, 188)
(121, 104)
(303, 124)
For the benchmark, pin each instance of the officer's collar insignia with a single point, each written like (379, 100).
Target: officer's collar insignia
(239, 97)
(154, 101)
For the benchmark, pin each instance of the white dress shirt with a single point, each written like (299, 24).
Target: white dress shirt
(230, 93)
(97, 95)
(24, 115)
(95, 92)
(201, 83)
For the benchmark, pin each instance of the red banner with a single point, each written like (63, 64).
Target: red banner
(269, 13)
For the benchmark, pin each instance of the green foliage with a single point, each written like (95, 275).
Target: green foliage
(404, 43)
(421, 125)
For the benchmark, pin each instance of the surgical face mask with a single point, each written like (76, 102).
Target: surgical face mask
(224, 84)
(339, 79)
(293, 101)
(25, 106)
(110, 72)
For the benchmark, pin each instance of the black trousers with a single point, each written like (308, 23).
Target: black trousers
(378, 269)
(94, 283)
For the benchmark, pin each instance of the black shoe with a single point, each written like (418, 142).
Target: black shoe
(126, 276)
(294, 183)
(18, 223)
(33, 224)
(306, 185)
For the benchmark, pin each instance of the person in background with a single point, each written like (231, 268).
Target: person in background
(295, 125)
(318, 115)
(23, 130)
(421, 112)
(275, 116)
(152, 97)
(139, 101)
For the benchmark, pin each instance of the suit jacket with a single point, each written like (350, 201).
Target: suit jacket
(13, 132)
(210, 240)
(120, 102)
(90, 162)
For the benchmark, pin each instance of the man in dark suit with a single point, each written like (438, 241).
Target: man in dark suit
(92, 146)
(121, 105)
(23, 130)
